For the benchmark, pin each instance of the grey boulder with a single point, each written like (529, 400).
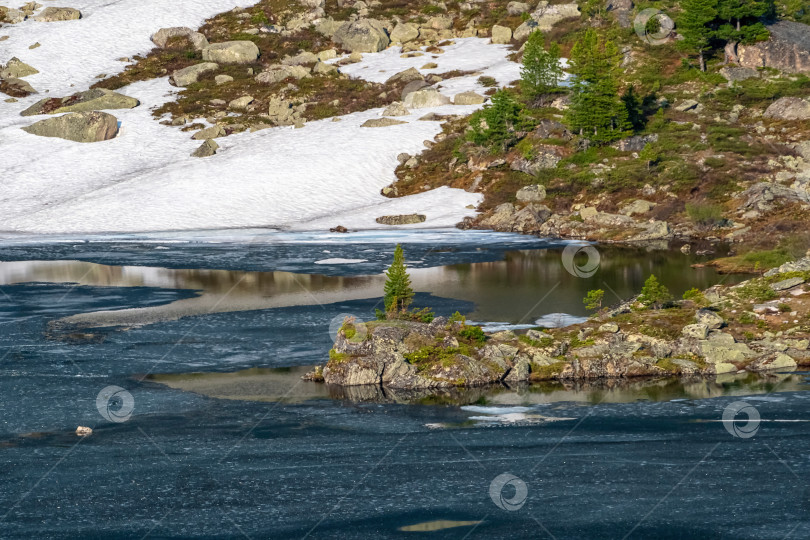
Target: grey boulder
(84, 127)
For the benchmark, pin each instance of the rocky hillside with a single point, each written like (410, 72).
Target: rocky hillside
(759, 325)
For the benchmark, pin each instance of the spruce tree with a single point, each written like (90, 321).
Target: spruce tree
(695, 25)
(541, 72)
(496, 123)
(398, 291)
(597, 111)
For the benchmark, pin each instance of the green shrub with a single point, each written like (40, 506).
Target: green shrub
(696, 296)
(704, 214)
(654, 294)
(593, 300)
(474, 334)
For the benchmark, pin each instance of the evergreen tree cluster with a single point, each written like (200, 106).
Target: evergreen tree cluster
(597, 111)
(707, 23)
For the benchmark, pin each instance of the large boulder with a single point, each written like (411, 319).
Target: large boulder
(16, 69)
(191, 74)
(533, 193)
(231, 52)
(409, 75)
(90, 100)
(426, 97)
(363, 35)
(54, 14)
(788, 49)
(208, 148)
(16, 87)
(501, 34)
(84, 127)
(404, 32)
(547, 15)
(162, 37)
(11, 15)
(469, 98)
(381, 122)
(789, 108)
(277, 73)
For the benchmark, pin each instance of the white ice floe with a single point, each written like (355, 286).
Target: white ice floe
(325, 174)
(341, 261)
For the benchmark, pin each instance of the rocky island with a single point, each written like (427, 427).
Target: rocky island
(757, 325)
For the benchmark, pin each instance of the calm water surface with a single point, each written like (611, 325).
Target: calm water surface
(225, 440)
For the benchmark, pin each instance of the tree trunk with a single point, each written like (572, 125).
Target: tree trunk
(738, 25)
(702, 62)
(731, 53)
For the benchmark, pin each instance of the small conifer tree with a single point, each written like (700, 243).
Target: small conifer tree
(541, 72)
(398, 291)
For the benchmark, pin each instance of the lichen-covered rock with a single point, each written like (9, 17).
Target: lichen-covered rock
(406, 76)
(362, 35)
(381, 122)
(231, 52)
(501, 34)
(162, 37)
(469, 98)
(397, 108)
(208, 148)
(191, 74)
(402, 219)
(424, 98)
(84, 127)
(16, 69)
(322, 68)
(16, 87)
(533, 193)
(772, 361)
(404, 32)
(788, 49)
(55, 14)
(277, 73)
(711, 319)
(789, 108)
(209, 133)
(547, 15)
(95, 99)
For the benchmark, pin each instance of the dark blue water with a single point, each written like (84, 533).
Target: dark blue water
(187, 464)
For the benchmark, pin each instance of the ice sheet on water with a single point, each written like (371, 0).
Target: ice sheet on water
(559, 320)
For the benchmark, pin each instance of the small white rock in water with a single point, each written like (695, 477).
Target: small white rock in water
(83, 431)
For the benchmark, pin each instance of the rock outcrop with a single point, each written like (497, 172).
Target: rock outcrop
(426, 97)
(788, 49)
(84, 127)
